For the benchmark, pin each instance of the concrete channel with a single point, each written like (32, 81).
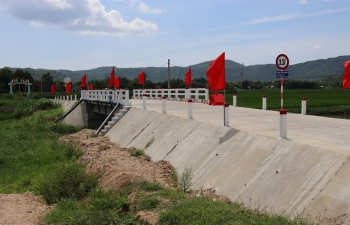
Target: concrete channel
(307, 173)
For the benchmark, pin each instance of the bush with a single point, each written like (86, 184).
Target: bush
(147, 203)
(29, 106)
(69, 180)
(137, 153)
(146, 186)
(62, 128)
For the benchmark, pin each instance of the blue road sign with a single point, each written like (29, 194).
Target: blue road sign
(282, 74)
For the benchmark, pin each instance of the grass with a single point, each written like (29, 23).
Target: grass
(321, 102)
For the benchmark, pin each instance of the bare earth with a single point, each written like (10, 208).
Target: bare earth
(116, 163)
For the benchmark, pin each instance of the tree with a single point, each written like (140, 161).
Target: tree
(46, 81)
(5, 77)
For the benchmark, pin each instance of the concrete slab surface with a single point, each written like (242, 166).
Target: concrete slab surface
(322, 132)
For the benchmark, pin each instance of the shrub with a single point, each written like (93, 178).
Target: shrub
(137, 153)
(147, 203)
(146, 186)
(62, 128)
(185, 179)
(69, 180)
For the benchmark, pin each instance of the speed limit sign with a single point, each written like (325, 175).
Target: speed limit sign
(282, 62)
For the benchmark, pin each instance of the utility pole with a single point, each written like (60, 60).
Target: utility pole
(241, 95)
(168, 73)
(242, 77)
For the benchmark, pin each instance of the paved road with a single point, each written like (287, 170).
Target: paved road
(322, 132)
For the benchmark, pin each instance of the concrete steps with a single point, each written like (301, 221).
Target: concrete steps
(115, 119)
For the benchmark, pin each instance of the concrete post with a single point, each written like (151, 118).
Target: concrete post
(75, 97)
(283, 123)
(67, 98)
(264, 102)
(226, 115)
(190, 110)
(303, 106)
(164, 104)
(144, 101)
(234, 100)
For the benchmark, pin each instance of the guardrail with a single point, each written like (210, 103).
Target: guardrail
(116, 96)
(199, 95)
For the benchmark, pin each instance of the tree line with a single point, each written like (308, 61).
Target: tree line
(6, 75)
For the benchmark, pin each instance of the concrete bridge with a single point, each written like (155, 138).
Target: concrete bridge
(308, 173)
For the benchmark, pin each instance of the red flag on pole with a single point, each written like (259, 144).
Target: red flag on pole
(188, 78)
(91, 86)
(216, 73)
(111, 78)
(141, 77)
(117, 82)
(53, 89)
(68, 86)
(346, 77)
(83, 84)
(39, 85)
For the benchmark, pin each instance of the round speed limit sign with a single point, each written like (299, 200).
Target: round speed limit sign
(282, 62)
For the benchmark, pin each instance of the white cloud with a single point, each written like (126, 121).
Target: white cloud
(303, 1)
(143, 8)
(84, 16)
(317, 47)
(60, 4)
(294, 16)
(273, 19)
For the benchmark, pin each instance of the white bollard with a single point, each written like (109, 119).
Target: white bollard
(303, 106)
(164, 104)
(264, 102)
(234, 100)
(75, 97)
(226, 115)
(190, 110)
(67, 98)
(283, 123)
(144, 101)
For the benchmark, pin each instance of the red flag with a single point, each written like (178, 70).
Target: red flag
(91, 86)
(83, 82)
(117, 82)
(216, 73)
(39, 85)
(188, 78)
(53, 89)
(68, 86)
(141, 77)
(346, 77)
(111, 78)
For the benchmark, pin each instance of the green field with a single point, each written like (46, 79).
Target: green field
(321, 102)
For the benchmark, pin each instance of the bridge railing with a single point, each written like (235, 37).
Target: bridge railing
(117, 96)
(200, 95)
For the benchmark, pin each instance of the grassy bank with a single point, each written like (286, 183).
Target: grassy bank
(32, 159)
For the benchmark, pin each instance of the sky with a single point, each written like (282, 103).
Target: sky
(86, 34)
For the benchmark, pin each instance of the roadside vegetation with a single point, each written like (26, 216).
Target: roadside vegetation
(32, 159)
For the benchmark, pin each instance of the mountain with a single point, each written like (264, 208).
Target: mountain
(310, 70)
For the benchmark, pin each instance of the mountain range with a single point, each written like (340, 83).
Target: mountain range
(310, 70)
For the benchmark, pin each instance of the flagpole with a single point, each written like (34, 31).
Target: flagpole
(224, 106)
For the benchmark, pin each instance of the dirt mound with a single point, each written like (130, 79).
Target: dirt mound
(117, 165)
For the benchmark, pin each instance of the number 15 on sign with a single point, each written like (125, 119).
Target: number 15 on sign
(282, 62)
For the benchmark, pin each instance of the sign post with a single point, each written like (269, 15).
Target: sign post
(282, 63)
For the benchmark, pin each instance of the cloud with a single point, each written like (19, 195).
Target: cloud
(143, 8)
(303, 2)
(317, 47)
(273, 19)
(294, 16)
(84, 16)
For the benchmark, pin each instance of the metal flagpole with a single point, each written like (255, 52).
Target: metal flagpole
(224, 106)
